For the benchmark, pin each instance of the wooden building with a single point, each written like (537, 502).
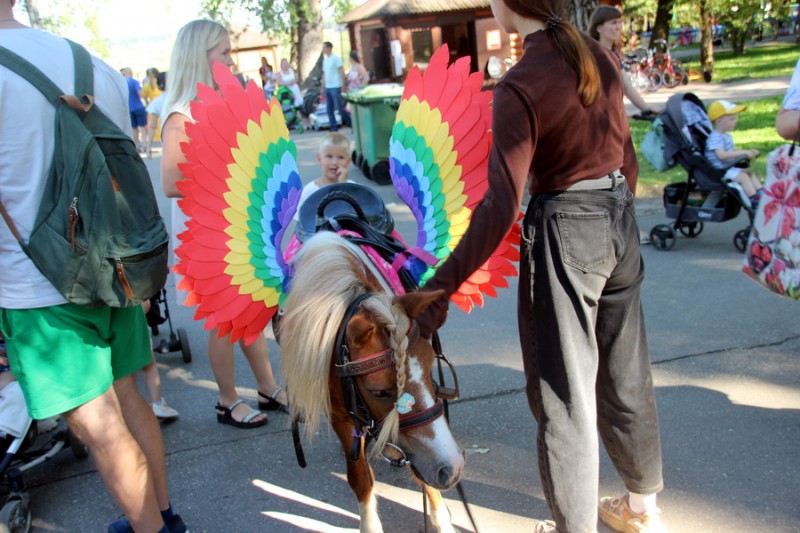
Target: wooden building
(394, 35)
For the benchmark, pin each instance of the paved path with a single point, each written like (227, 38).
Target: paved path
(738, 91)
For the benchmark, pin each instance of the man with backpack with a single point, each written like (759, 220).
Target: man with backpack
(75, 360)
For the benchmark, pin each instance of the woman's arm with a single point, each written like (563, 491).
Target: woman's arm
(788, 124)
(173, 133)
(632, 94)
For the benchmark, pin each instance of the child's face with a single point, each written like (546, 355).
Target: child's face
(334, 161)
(726, 123)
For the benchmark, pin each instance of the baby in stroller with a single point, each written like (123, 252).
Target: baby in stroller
(721, 148)
(291, 112)
(707, 195)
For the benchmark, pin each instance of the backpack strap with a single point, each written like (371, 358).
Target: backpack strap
(84, 74)
(83, 77)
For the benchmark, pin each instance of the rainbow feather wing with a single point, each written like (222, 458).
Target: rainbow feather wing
(438, 159)
(241, 190)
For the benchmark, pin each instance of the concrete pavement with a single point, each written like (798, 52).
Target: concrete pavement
(727, 377)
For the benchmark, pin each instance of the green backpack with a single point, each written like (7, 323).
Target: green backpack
(98, 236)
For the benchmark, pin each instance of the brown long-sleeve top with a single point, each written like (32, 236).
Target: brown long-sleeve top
(545, 137)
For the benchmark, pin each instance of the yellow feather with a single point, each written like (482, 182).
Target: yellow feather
(237, 217)
(236, 258)
(251, 286)
(256, 136)
(236, 269)
(241, 246)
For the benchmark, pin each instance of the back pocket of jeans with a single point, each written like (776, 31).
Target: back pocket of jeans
(585, 239)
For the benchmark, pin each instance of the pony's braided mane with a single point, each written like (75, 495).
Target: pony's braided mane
(394, 319)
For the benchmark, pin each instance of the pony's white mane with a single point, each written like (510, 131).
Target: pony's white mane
(329, 274)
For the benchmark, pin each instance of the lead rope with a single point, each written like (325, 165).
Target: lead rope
(437, 348)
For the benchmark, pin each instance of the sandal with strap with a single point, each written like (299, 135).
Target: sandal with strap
(270, 403)
(226, 417)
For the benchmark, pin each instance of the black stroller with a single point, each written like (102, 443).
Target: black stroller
(177, 340)
(705, 196)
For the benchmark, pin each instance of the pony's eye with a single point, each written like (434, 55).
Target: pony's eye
(381, 394)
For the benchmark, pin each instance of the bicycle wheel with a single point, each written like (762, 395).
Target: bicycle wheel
(670, 79)
(654, 79)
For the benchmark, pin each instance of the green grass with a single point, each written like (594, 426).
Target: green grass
(755, 129)
(758, 62)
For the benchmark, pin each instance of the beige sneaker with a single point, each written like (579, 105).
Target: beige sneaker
(164, 411)
(545, 526)
(617, 514)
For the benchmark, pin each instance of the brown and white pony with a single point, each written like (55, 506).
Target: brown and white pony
(386, 360)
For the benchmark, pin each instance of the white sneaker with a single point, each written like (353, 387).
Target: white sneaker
(164, 411)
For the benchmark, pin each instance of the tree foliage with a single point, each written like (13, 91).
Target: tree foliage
(296, 24)
(77, 17)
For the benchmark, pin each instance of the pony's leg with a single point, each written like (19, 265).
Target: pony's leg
(440, 515)
(361, 481)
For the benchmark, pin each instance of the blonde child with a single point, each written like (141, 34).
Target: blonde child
(720, 147)
(334, 159)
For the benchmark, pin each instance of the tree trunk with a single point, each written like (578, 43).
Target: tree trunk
(309, 35)
(738, 39)
(706, 43)
(580, 11)
(661, 25)
(33, 13)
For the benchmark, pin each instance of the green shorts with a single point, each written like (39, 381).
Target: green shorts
(65, 355)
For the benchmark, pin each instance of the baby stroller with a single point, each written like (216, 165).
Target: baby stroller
(177, 341)
(285, 97)
(705, 196)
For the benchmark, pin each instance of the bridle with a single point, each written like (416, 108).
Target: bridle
(365, 425)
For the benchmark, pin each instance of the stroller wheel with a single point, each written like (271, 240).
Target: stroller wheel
(186, 350)
(691, 229)
(740, 239)
(662, 237)
(79, 449)
(15, 517)
(380, 173)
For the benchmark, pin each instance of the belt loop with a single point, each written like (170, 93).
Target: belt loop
(613, 176)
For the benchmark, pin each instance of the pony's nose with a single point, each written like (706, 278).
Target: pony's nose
(448, 474)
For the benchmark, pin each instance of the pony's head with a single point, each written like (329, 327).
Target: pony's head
(401, 396)
(391, 361)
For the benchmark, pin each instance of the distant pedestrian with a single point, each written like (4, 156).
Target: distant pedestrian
(136, 108)
(357, 76)
(334, 82)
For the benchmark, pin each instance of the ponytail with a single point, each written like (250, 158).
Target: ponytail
(568, 40)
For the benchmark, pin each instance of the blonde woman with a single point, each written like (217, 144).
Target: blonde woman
(199, 45)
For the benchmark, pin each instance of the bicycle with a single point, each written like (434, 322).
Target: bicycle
(672, 72)
(642, 71)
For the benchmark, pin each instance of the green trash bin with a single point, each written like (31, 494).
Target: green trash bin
(373, 109)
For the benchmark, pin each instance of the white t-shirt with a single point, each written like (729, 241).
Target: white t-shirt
(330, 68)
(792, 99)
(26, 151)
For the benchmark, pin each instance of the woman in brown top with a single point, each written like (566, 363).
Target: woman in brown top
(560, 127)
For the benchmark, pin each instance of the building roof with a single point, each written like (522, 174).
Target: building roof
(391, 8)
(243, 38)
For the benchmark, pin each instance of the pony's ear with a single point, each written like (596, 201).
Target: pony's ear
(360, 330)
(415, 302)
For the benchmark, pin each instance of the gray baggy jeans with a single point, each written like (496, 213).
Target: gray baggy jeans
(587, 365)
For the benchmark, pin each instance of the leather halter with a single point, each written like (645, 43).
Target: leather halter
(363, 420)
